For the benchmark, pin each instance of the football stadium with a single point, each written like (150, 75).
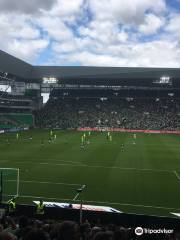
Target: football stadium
(107, 137)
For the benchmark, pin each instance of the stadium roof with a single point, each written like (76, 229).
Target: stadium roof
(82, 74)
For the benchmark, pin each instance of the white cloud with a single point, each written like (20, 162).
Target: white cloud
(27, 49)
(125, 11)
(104, 31)
(93, 59)
(19, 29)
(26, 32)
(55, 28)
(73, 45)
(151, 25)
(173, 25)
(154, 54)
(109, 36)
(67, 8)
(21, 38)
(25, 6)
(65, 47)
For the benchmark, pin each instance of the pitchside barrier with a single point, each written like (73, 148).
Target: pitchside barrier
(106, 129)
(9, 183)
(121, 219)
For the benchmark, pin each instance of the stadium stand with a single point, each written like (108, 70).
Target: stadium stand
(15, 111)
(21, 119)
(128, 113)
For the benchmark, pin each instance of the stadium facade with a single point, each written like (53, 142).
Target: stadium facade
(123, 76)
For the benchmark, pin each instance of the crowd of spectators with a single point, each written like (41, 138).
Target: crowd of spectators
(24, 228)
(128, 113)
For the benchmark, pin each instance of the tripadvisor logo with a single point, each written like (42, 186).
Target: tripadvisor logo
(139, 231)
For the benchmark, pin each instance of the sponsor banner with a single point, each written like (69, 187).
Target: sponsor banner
(99, 129)
(19, 129)
(13, 130)
(77, 206)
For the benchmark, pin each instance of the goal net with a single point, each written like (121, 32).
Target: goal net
(9, 183)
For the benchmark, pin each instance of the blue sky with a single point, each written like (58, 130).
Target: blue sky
(143, 33)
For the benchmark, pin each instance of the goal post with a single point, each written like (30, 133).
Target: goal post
(1, 186)
(9, 183)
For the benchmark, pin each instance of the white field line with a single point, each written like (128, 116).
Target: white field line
(55, 164)
(43, 197)
(177, 175)
(99, 202)
(66, 161)
(51, 161)
(54, 183)
(96, 166)
(106, 167)
(77, 195)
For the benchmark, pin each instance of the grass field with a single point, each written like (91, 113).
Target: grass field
(141, 178)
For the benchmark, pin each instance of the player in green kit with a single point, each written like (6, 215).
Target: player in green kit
(17, 136)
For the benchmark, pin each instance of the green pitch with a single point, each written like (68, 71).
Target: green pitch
(138, 178)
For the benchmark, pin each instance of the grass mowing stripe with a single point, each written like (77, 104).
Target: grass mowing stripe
(98, 166)
(138, 174)
(27, 161)
(54, 183)
(43, 197)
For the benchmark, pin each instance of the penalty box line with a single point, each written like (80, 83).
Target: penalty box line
(51, 161)
(95, 166)
(53, 183)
